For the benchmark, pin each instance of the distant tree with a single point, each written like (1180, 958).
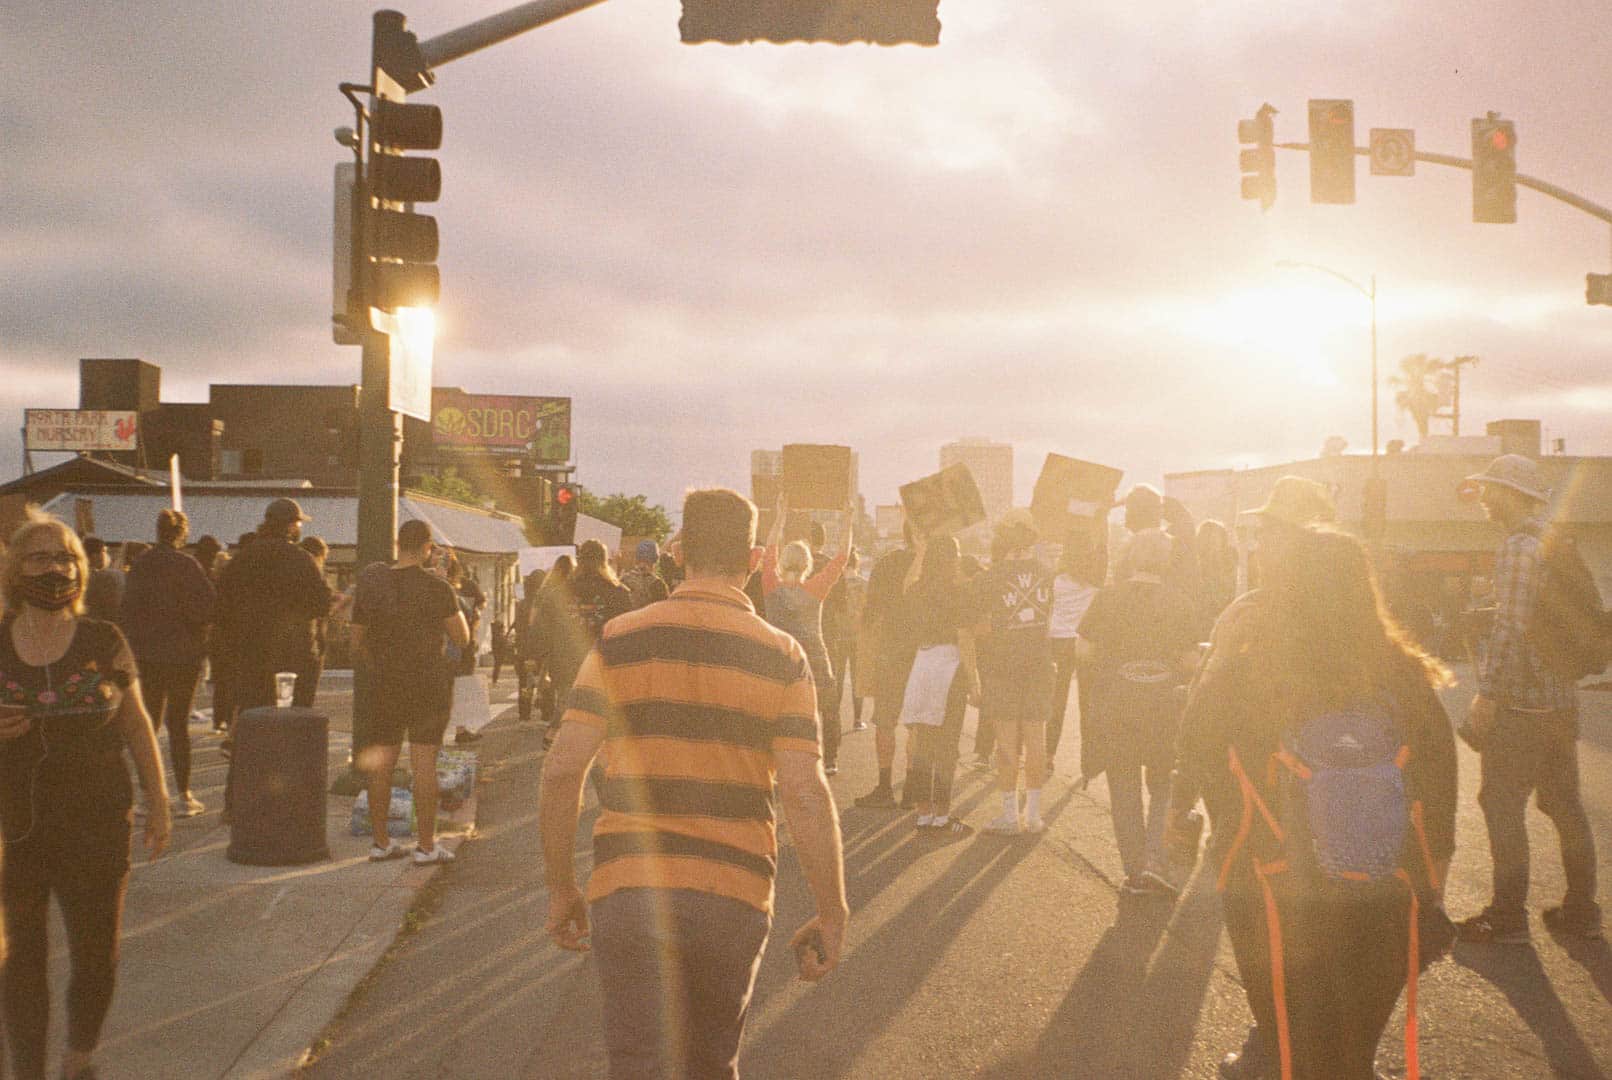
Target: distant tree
(1418, 389)
(449, 485)
(632, 514)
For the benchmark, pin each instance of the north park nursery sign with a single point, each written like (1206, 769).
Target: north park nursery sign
(81, 429)
(538, 427)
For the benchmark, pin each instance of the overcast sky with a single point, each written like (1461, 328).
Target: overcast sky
(1031, 233)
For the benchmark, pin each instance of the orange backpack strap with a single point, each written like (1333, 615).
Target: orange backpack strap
(1413, 1066)
(1251, 802)
(1273, 929)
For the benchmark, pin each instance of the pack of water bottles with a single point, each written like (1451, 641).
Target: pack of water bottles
(399, 814)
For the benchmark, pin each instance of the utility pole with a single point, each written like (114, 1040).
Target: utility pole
(1454, 368)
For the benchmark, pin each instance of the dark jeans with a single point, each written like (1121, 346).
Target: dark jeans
(1344, 966)
(677, 968)
(1065, 671)
(934, 759)
(307, 684)
(91, 902)
(1527, 753)
(828, 711)
(168, 691)
(1138, 832)
(842, 658)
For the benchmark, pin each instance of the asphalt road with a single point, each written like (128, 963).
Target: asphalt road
(980, 957)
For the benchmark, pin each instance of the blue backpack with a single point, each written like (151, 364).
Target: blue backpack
(1342, 796)
(1341, 818)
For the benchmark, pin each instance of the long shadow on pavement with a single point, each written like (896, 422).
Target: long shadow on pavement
(1595, 957)
(1519, 975)
(835, 1021)
(1133, 1009)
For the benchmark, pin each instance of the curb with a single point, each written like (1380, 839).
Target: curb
(286, 1043)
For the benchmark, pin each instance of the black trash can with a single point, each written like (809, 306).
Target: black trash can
(279, 771)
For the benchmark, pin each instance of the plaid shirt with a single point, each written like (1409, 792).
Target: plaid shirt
(1510, 672)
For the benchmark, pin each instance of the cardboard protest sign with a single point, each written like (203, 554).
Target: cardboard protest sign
(944, 502)
(1070, 491)
(764, 490)
(817, 477)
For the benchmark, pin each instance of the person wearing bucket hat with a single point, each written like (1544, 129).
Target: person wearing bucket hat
(1296, 503)
(1524, 723)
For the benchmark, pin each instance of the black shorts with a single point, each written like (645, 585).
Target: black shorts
(889, 688)
(415, 710)
(1017, 697)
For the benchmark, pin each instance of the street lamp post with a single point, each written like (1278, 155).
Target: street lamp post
(1370, 293)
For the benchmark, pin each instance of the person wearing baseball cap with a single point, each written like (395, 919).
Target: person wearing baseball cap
(644, 585)
(1523, 722)
(269, 597)
(284, 515)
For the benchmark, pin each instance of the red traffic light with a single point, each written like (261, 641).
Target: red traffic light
(1500, 139)
(564, 495)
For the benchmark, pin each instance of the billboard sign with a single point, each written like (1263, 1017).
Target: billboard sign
(539, 427)
(81, 429)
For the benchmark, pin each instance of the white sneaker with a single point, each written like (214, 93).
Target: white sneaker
(1004, 825)
(187, 805)
(437, 854)
(394, 849)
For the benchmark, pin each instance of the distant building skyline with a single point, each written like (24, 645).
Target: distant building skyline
(991, 462)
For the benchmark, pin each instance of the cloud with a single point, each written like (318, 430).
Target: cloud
(1031, 232)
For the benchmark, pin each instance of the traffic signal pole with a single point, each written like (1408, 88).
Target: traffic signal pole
(1560, 194)
(496, 28)
(380, 428)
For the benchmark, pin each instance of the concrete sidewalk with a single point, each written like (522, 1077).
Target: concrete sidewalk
(231, 971)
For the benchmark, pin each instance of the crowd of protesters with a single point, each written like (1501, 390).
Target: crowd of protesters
(703, 689)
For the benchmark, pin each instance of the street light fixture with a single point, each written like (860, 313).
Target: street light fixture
(1370, 293)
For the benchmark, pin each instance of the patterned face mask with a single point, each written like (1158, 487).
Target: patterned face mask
(50, 591)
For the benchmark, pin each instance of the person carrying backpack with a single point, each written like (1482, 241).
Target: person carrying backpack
(644, 584)
(1139, 638)
(572, 610)
(1524, 719)
(1327, 765)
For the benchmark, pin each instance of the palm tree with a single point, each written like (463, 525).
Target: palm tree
(1416, 390)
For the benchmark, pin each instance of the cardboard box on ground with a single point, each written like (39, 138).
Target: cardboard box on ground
(944, 502)
(1070, 492)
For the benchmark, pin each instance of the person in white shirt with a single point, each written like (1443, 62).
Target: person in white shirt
(1081, 568)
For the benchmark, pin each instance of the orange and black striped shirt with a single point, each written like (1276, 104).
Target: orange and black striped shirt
(694, 695)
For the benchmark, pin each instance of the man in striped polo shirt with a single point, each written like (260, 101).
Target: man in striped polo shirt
(699, 707)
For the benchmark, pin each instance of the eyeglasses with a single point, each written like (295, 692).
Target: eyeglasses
(45, 560)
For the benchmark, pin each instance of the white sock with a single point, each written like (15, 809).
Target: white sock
(1010, 804)
(1032, 803)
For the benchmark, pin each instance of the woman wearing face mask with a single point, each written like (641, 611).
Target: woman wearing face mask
(69, 705)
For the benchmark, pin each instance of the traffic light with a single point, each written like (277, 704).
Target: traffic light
(1258, 157)
(1332, 151)
(563, 520)
(1598, 289)
(838, 22)
(400, 245)
(1494, 171)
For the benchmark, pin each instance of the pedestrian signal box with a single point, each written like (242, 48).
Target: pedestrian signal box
(1332, 151)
